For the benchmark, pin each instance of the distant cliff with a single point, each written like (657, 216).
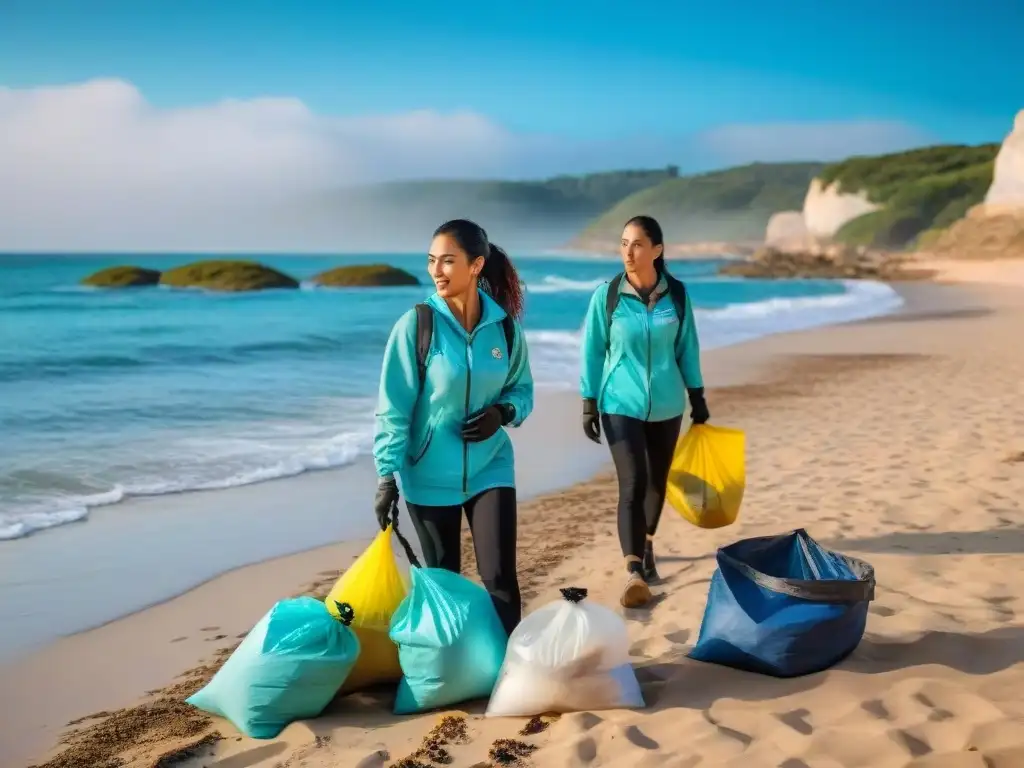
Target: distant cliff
(890, 202)
(993, 229)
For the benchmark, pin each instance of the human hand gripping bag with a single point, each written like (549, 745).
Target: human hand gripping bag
(289, 667)
(570, 655)
(450, 641)
(708, 475)
(374, 586)
(784, 606)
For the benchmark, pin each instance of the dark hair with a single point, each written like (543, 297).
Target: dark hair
(498, 277)
(652, 229)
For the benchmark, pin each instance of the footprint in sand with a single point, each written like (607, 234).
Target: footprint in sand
(586, 750)
(208, 629)
(638, 738)
(797, 720)
(881, 610)
(179, 639)
(876, 708)
(679, 637)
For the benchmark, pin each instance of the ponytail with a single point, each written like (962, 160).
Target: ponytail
(659, 264)
(498, 276)
(501, 281)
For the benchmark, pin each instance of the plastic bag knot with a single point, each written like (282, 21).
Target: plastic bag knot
(345, 612)
(573, 594)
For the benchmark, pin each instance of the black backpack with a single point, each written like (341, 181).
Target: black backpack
(425, 332)
(676, 290)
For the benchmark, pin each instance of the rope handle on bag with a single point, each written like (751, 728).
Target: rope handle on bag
(413, 560)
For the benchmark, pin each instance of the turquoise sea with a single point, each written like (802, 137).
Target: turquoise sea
(106, 395)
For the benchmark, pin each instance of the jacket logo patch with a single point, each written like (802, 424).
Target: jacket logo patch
(496, 353)
(665, 317)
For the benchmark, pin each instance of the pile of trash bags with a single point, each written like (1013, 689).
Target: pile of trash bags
(777, 605)
(436, 634)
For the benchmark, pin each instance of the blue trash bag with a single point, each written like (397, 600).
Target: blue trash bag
(451, 643)
(289, 667)
(784, 606)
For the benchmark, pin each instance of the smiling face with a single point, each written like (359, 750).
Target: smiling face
(637, 251)
(453, 271)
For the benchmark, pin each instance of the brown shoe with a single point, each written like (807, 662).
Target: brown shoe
(636, 593)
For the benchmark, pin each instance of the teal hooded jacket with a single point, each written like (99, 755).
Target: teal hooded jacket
(419, 433)
(642, 373)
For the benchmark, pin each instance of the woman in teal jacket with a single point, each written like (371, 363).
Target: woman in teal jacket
(445, 398)
(640, 364)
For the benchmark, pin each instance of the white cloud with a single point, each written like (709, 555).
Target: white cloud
(95, 166)
(779, 142)
(94, 163)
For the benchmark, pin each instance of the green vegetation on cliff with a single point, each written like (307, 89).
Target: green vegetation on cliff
(920, 190)
(122, 277)
(365, 275)
(734, 204)
(223, 275)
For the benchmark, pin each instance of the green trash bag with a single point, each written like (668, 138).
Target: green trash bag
(289, 667)
(450, 642)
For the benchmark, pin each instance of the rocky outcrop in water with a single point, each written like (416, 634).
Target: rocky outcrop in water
(365, 276)
(225, 275)
(122, 277)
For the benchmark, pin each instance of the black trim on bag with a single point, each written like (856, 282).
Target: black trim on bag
(812, 590)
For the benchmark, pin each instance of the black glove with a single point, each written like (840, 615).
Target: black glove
(385, 500)
(485, 422)
(698, 406)
(591, 420)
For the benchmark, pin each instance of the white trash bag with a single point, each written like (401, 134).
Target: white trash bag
(568, 656)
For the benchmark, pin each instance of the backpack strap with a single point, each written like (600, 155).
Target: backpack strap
(424, 334)
(677, 290)
(508, 325)
(610, 303)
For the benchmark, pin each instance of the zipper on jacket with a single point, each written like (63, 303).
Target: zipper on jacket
(650, 395)
(465, 443)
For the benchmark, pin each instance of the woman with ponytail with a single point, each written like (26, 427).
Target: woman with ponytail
(637, 374)
(444, 404)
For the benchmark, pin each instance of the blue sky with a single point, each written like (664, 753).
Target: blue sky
(120, 121)
(588, 70)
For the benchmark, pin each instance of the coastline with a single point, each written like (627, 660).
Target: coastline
(194, 624)
(201, 534)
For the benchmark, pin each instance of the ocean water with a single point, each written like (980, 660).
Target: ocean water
(106, 395)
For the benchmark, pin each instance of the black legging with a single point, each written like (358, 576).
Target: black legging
(492, 520)
(642, 452)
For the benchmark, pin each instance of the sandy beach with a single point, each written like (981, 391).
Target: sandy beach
(899, 440)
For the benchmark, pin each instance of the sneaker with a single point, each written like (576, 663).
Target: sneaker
(650, 568)
(636, 592)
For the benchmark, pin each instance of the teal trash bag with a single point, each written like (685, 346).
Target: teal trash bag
(450, 641)
(289, 667)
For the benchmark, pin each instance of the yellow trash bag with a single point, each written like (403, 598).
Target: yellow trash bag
(374, 587)
(708, 476)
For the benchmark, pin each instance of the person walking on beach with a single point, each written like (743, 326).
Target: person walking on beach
(456, 372)
(640, 364)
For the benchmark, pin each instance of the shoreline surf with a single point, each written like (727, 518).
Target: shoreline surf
(256, 452)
